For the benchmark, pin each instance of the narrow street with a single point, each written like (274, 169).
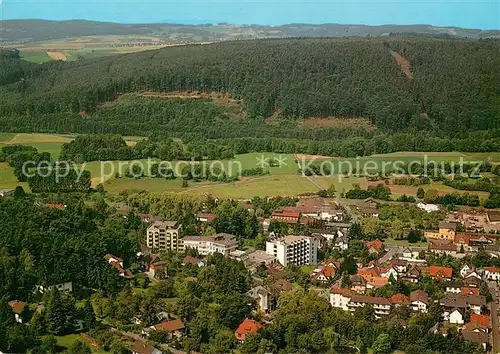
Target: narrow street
(494, 322)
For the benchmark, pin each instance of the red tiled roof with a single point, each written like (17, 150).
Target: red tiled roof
(340, 291)
(492, 269)
(286, 214)
(327, 271)
(246, 327)
(377, 282)
(478, 322)
(190, 259)
(169, 326)
(17, 306)
(368, 272)
(210, 217)
(377, 244)
(440, 272)
(469, 291)
(400, 299)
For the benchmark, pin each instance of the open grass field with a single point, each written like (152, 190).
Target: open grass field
(283, 180)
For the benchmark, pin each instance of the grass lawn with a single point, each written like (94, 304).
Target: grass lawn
(4, 137)
(68, 340)
(273, 185)
(35, 56)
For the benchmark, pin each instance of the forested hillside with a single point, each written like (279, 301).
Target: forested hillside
(453, 88)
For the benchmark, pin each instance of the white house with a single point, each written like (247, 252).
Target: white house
(454, 287)
(387, 272)
(339, 298)
(419, 300)
(429, 208)
(466, 269)
(66, 287)
(492, 273)
(456, 317)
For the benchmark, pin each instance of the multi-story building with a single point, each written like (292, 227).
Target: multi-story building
(205, 245)
(447, 231)
(381, 305)
(297, 250)
(165, 235)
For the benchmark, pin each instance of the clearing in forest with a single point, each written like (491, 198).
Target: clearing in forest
(403, 64)
(57, 56)
(339, 123)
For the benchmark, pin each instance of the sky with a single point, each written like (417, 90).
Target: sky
(483, 14)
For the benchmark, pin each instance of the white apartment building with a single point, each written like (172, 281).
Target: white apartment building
(297, 250)
(381, 305)
(205, 245)
(165, 235)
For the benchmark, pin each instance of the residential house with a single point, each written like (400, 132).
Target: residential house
(492, 273)
(442, 247)
(18, 308)
(117, 263)
(440, 273)
(375, 247)
(358, 284)
(472, 282)
(419, 301)
(446, 231)
(477, 337)
(370, 203)
(473, 274)
(248, 326)
(297, 250)
(376, 282)
(158, 270)
(66, 287)
(323, 274)
(413, 275)
(454, 287)
(469, 291)
(410, 254)
(193, 260)
(387, 272)
(141, 347)
(262, 296)
(400, 300)
(452, 301)
(466, 269)
(205, 218)
(174, 328)
(220, 243)
(400, 266)
(457, 316)
(473, 242)
(381, 305)
(369, 212)
(479, 323)
(320, 209)
(340, 297)
(165, 235)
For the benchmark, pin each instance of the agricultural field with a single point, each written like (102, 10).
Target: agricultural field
(283, 180)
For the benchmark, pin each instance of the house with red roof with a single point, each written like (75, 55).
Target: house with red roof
(440, 273)
(286, 216)
(479, 323)
(376, 246)
(205, 217)
(117, 263)
(18, 307)
(400, 299)
(492, 273)
(323, 274)
(174, 328)
(246, 327)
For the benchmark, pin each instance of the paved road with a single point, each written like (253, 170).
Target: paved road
(494, 322)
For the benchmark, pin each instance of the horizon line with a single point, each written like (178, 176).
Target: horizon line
(208, 23)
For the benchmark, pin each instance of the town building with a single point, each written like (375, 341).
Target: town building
(263, 298)
(429, 208)
(117, 263)
(66, 287)
(174, 328)
(205, 218)
(297, 250)
(492, 273)
(440, 273)
(141, 347)
(286, 216)
(220, 243)
(446, 231)
(442, 247)
(165, 235)
(18, 308)
(381, 305)
(193, 260)
(419, 301)
(340, 297)
(248, 326)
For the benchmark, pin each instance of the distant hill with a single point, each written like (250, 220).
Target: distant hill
(396, 84)
(22, 31)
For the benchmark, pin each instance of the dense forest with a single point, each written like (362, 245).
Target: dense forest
(453, 89)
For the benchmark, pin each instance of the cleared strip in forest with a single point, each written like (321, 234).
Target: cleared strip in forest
(403, 64)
